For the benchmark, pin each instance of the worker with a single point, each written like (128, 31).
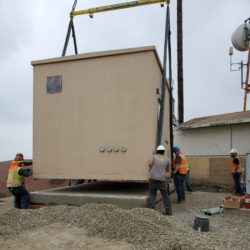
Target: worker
(159, 167)
(179, 173)
(15, 181)
(236, 171)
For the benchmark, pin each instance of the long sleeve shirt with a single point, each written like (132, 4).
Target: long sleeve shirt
(26, 172)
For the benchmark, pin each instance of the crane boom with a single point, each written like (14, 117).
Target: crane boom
(117, 7)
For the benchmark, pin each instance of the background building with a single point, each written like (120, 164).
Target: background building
(207, 142)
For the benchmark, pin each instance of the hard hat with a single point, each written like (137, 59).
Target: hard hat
(160, 148)
(18, 157)
(233, 151)
(176, 149)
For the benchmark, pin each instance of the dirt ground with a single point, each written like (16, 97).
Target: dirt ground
(60, 236)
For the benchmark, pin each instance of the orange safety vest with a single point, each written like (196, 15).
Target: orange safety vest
(235, 168)
(13, 165)
(183, 166)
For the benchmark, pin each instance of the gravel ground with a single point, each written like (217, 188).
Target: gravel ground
(141, 227)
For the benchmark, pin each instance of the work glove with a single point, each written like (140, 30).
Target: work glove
(30, 171)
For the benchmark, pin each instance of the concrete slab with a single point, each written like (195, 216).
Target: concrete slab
(126, 195)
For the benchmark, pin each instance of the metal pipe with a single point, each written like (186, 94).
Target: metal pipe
(247, 89)
(170, 91)
(241, 73)
(180, 62)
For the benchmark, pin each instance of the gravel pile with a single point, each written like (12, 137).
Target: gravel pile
(142, 227)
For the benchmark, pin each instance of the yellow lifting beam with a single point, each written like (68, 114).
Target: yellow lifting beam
(116, 7)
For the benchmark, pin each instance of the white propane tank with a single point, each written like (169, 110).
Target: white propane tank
(239, 38)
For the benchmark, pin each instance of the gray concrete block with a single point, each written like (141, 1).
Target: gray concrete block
(126, 195)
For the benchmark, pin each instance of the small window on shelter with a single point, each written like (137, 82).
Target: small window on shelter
(54, 84)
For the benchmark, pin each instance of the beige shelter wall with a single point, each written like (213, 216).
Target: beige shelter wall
(107, 101)
(213, 170)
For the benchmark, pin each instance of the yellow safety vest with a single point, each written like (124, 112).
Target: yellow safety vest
(14, 179)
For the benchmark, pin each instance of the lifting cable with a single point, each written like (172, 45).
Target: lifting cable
(91, 11)
(71, 27)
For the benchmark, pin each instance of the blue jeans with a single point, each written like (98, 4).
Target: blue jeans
(155, 185)
(187, 182)
(21, 197)
(179, 181)
(238, 189)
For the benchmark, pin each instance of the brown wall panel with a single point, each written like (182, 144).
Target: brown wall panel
(212, 170)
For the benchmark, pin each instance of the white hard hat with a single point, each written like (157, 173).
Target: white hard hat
(160, 147)
(233, 151)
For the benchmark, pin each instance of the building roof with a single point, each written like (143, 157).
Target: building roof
(217, 120)
(100, 54)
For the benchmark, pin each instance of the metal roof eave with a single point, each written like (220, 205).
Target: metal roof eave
(219, 124)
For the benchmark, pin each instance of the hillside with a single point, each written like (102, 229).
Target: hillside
(31, 183)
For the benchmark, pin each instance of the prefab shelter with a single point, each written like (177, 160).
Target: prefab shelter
(95, 115)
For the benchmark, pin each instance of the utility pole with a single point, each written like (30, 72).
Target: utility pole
(180, 62)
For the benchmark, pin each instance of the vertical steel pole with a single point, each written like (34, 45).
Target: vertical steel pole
(164, 81)
(170, 90)
(180, 62)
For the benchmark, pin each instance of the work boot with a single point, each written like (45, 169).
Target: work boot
(168, 212)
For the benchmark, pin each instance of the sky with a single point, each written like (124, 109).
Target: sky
(33, 30)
